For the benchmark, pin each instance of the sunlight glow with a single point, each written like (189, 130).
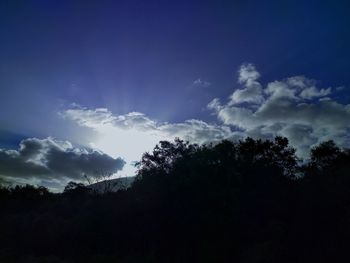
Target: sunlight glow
(128, 144)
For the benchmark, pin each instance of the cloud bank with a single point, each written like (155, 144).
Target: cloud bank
(53, 162)
(293, 107)
(134, 133)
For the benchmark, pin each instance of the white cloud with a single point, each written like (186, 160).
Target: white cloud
(132, 134)
(288, 108)
(252, 91)
(195, 131)
(312, 92)
(214, 104)
(201, 83)
(293, 107)
(279, 90)
(248, 74)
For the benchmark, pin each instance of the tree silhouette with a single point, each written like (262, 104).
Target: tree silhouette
(244, 201)
(76, 188)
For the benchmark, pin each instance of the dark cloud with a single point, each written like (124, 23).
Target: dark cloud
(40, 160)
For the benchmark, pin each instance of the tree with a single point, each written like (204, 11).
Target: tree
(324, 154)
(164, 156)
(73, 187)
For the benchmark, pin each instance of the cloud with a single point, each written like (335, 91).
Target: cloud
(215, 104)
(43, 160)
(196, 131)
(252, 91)
(293, 107)
(101, 117)
(248, 74)
(201, 83)
(134, 133)
(312, 92)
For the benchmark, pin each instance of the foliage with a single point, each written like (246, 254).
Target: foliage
(245, 201)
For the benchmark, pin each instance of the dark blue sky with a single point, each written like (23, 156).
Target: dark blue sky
(146, 56)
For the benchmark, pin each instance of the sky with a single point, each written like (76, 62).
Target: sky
(86, 87)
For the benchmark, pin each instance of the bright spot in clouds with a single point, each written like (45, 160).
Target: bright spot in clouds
(130, 144)
(129, 136)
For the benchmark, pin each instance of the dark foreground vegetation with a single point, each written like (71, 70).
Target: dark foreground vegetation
(250, 201)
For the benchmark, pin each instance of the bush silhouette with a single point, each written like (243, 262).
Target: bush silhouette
(245, 201)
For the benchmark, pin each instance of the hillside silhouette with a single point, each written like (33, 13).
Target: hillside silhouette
(251, 201)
